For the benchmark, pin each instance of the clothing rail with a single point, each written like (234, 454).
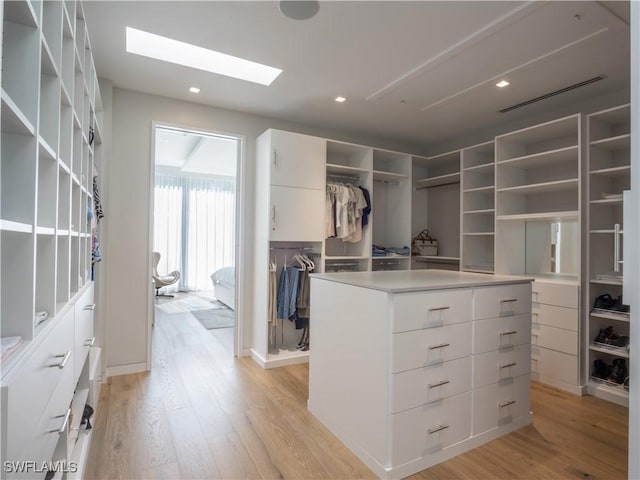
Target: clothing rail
(388, 182)
(344, 176)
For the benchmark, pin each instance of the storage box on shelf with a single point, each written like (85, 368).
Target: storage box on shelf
(43, 224)
(478, 208)
(609, 176)
(436, 206)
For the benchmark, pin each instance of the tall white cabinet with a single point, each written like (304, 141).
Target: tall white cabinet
(538, 205)
(51, 136)
(609, 172)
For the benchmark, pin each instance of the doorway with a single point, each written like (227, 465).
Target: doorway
(195, 233)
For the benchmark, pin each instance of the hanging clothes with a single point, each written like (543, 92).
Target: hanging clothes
(345, 207)
(97, 202)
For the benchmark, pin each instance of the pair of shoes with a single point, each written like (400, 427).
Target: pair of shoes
(607, 336)
(600, 369)
(619, 371)
(626, 384)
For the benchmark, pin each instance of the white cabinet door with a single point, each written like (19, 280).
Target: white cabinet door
(298, 160)
(297, 214)
(83, 338)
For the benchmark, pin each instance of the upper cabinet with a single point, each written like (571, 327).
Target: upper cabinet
(297, 160)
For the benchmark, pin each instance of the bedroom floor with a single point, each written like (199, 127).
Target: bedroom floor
(187, 311)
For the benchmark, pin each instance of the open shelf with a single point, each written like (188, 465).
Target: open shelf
(488, 188)
(607, 201)
(13, 120)
(611, 316)
(388, 176)
(546, 187)
(440, 180)
(486, 211)
(613, 172)
(620, 142)
(479, 234)
(343, 169)
(617, 351)
(553, 216)
(559, 155)
(17, 227)
(436, 259)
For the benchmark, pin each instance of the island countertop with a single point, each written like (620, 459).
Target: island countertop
(399, 281)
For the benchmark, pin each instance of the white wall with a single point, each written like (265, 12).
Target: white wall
(127, 217)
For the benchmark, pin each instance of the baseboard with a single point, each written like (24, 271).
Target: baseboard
(259, 359)
(126, 369)
(246, 352)
(552, 382)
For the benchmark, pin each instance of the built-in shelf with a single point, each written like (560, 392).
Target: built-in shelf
(448, 179)
(558, 155)
(20, 12)
(619, 142)
(329, 258)
(13, 120)
(480, 168)
(344, 169)
(46, 150)
(488, 188)
(480, 212)
(611, 316)
(45, 231)
(545, 187)
(605, 282)
(609, 389)
(478, 268)
(479, 234)
(390, 257)
(613, 172)
(9, 226)
(607, 201)
(617, 351)
(436, 259)
(388, 176)
(554, 216)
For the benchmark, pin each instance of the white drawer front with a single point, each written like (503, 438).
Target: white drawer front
(561, 317)
(501, 333)
(501, 365)
(554, 338)
(501, 301)
(413, 311)
(429, 384)
(420, 348)
(429, 428)
(83, 339)
(557, 365)
(559, 294)
(43, 439)
(501, 403)
(29, 394)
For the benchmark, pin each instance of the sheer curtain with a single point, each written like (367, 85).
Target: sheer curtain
(194, 227)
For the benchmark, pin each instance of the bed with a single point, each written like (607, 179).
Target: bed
(224, 286)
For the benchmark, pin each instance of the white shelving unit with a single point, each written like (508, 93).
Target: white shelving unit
(436, 207)
(478, 208)
(609, 170)
(48, 98)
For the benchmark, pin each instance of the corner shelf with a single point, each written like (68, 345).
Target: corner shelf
(448, 179)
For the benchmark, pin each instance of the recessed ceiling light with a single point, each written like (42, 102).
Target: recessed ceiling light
(340, 99)
(194, 90)
(299, 10)
(181, 53)
(502, 83)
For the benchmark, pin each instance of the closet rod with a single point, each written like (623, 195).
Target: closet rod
(439, 185)
(309, 250)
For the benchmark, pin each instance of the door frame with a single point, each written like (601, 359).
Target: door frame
(240, 214)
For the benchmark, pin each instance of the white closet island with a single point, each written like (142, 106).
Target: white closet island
(410, 368)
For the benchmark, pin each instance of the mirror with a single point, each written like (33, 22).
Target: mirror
(553, 248)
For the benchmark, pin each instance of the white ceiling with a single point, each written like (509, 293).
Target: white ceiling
(417, 72)
(191, 152)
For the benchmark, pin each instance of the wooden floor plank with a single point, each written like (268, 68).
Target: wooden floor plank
(200, 413)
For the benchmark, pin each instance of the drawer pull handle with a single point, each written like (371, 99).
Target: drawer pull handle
(506, 404)
(90, 342)
(63, 427)
(507, 365)
(436, 309)
(90, 307)
(508, 332)
(439, 384)
(435, 347)
(65, 359)
(508, 300)
(437, 429)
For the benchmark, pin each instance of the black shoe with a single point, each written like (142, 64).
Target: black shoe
(619, 371)
(600, 369)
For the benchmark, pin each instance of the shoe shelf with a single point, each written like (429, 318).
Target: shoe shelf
(609, 349)
(608, 140)
(619, 317)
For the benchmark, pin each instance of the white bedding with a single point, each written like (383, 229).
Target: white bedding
(224, 286)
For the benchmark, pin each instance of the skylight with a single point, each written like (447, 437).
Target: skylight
(181, 53)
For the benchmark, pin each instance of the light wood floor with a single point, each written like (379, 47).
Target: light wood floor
(200, 413)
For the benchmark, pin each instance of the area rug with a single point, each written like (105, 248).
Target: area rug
(182, 303)
(220, 316)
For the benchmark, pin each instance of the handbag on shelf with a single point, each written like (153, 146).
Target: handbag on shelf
(423, 244)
